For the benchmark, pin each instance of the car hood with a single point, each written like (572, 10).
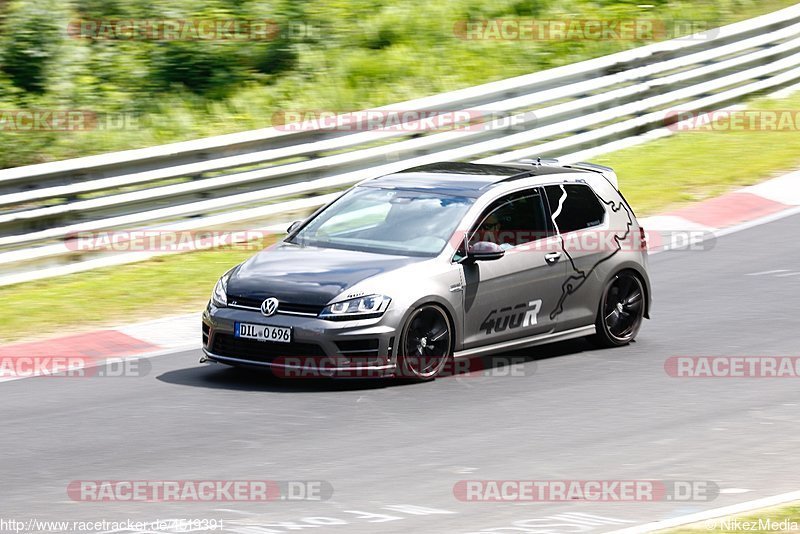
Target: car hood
(307, 275)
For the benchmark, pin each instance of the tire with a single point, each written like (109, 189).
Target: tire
(621, 311)
(426, 344)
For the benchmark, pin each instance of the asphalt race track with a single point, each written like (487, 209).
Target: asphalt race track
(569, 412)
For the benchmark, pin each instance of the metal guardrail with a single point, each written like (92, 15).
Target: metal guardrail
(251, 177)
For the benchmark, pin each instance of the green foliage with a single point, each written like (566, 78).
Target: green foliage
(31, 39)
(276, 57)
(202, 68)
(327, 54)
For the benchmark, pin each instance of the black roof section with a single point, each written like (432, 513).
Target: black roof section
(464, 179)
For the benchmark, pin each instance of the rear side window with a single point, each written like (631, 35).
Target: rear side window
(579, 209)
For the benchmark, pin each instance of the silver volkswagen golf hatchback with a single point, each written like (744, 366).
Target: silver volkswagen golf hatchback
(405, 273)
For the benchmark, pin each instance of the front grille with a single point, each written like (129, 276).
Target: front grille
(243, 301)
(299, 308)
(262, 351)
(282, 306)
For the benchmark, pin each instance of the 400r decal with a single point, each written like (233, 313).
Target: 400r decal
(521, 315)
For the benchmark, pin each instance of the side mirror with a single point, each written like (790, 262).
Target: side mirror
(293, 226)
(484, 251)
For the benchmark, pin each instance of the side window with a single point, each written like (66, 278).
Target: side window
(580, 208)
(513, 220)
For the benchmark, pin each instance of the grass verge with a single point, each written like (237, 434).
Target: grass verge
(165, 285)
(784, 518)
(655, 177)
(695, 165)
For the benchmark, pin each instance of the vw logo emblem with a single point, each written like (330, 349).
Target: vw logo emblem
(269, 306)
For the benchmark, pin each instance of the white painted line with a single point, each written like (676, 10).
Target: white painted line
(744, 226)
(734, 509)
(758, 222)
(761, 273)
(234, 511)
(787, 274)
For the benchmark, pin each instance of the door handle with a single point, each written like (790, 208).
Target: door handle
(552, 257)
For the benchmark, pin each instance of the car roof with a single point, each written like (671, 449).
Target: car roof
(464, 179)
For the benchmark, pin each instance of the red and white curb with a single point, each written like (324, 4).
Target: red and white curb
(738, 210)
(744, 208)
(68, 356)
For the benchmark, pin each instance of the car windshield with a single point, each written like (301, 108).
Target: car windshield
(387, 221)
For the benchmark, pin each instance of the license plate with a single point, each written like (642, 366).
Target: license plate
(261, 332)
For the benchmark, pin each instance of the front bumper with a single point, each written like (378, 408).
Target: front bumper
(356, 348)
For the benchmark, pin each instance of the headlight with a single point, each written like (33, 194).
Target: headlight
(359, 308)
(219, 296)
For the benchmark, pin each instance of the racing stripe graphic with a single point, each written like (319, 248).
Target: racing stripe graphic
(576, 280)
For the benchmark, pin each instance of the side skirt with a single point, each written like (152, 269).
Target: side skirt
(532, 341)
